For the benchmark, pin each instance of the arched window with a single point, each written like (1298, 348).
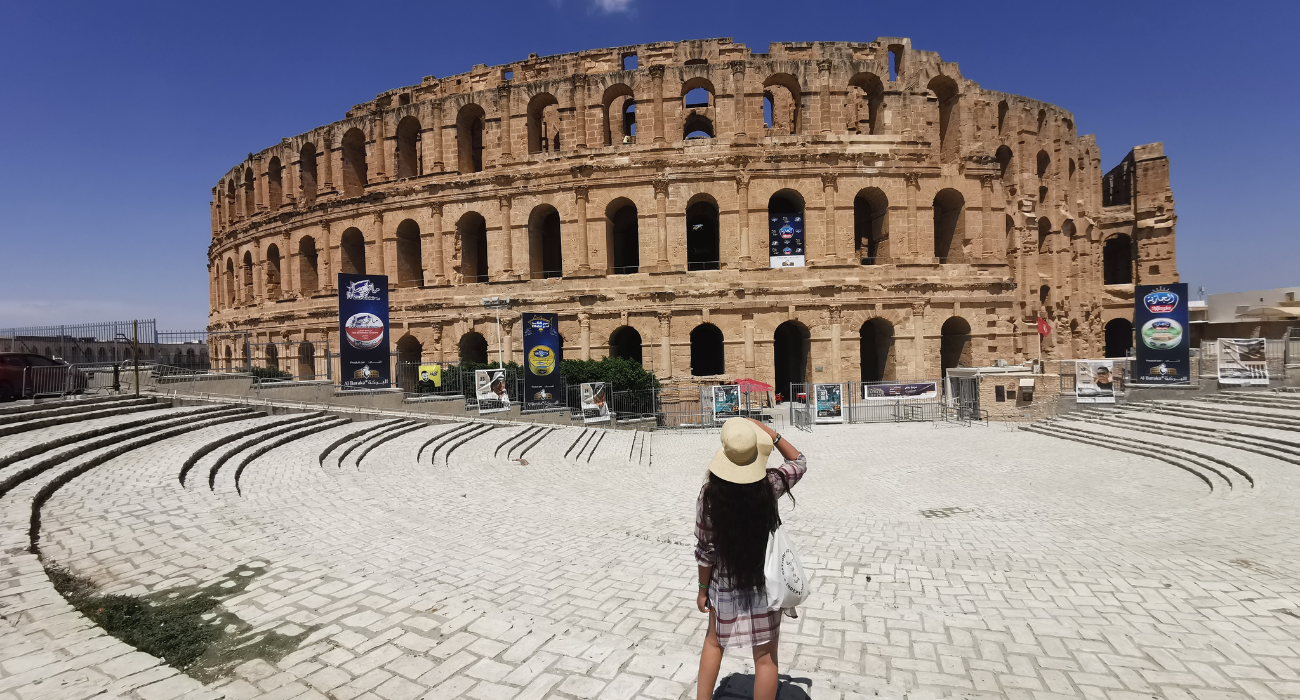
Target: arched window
(866, 95)
(697, 98)
(620, 114)
(1004, 156)
(1002, 116)
(250, 193)
(1119, 337)
(1042, 120)
(410, 266)
(1117, 260)
(701, 97)
(625, 342)
(876, 350)
(785, 211)
(949, 225)
(1044, 294)
(1044, 230)
(408, 147)
(272, 357)
(230, 358)
(274, 184)
(409, 354)
(543, 124)
(954, 344)
(1012, 243)
(354, 163)
(308, 276)
(623, 238)
(472, 232)
(791, 344)
(469, 138)
(352, 250)
(230, 284)
(232, 212)
(248, 278)
(945, 90)
(473, 348)
(707, 356)
(697, 126)
(307, 172)
(545, 259)
(781, 104)
(306, 360)
(702, 235)
(273, 272)
(871, 226)
(1044, 162)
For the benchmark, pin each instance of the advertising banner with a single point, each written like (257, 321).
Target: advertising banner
(595, 404)
(430, 378)
(363, 332)
(1094, 381)
(542, 352)
(900, 390)
(726, 402)
(785, 240)
(1163, 342)
(1243, 361)
(829, 408)
(491, 390)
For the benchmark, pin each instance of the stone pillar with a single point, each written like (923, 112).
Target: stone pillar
(507, 255)
(325, 262)
(824, 73)
(435, 339)
(579, 111)
(749, 346)
(385, 251)
(910, 229)
(836, 358)
(584, 335)
(738, 102)
(327, 153)
(665, 368)
(435, 269)
(742, 211)
(989, 234)
(920, 368)
(661, 208)
(438, 163)
(507, 340)
(378, 152)
(831, 239)
(259, 273)
(503, 107)
(580, 193)
(657, 76)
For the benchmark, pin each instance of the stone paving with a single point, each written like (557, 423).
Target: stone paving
(981, 561)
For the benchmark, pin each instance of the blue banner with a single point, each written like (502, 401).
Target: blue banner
(363, 332)
(541, 361)
(1163, 335)
(785, 240)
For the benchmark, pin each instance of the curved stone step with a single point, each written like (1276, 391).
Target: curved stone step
(536, 442)
(240, 446)
(125, 407)
(306, 430)
(206, 449)
(1281, 450)
(366, 427)
(485, 429)
(1041, 430)
(389, 436)
(516, 438)
(1214, 465)
(373, 434)
(1255, 420)
(6, 411)
(440, 441)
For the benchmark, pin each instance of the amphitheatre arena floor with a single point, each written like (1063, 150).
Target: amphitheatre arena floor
(946, 560)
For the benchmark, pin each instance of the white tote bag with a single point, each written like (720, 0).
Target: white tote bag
(786, 585)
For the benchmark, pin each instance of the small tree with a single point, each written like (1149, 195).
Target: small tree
(619, 373)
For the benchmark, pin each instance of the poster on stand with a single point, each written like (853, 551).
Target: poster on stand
(900, 390)
(1243, 361)
(363, 332)
(726, 402)
(490, 387)
(430, 379)
(827, 398)
(541, 371)
(1094, 381)
(595, 403)
(785, 240)
(1163, 346)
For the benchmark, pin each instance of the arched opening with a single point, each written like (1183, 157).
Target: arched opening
(702, 251)
(274, 184)
(781, 104)
(876, 350)
(250, 193)
(623, 239)
(949, 225)
(1042, 120)
(306, 360)
(866, 94)
(271, 357)
(248, 278)
(1117, 260)
(1044, 232)
(410, 266)
(1044, 293)
(620, 114)
(871, 226)
(408, 147)
(945, 90)
(473, 348)
(307, 172)
(1012, 243)
(273, 272)
(307, 271)
(230, 358)
(1002, 115)
(697, 94)
(230, 284)
(545, 258)
(697, 126)
(707, 355)
(472, 232)
(191, 361)
(697, 98)
(954, 344)
(785, 216)
(543, 124)
(625, 342)
(1119, 337)
(231, 212)
(409, 354)
(354, 163)
(469, 138)
(352, 249)
(1004, 156)
(791, 345)
(1044, 162)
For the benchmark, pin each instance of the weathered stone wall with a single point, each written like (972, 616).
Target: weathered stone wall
(870, 158)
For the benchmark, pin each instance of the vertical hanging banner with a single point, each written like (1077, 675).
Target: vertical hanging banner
(785, 240)
(363, 332)
(1163, 345)
(542, 360)
(1243, 361)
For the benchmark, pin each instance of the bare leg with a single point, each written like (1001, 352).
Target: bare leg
(710, 663)
(766, 675)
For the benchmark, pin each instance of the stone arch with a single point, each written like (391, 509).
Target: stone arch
(308, 269)
(617, 104)
(697, 126)
(273, 272)
(473, 347)
(1003, 108)
(1119, 337)
(471, 232)
(697, 98)
(1117, 260)
(271, 356)
(408, 147)
(871, 226)
(955, 344)
(786, 207)
(231, 212)
(247, 277)
(231, 301)
(250, 193)
(791, 347)
(1004, 157)
(876, 350)
(866, 94)
(622, 237)
(410, 261)
(274, 184)
(1044, 233)
(469, 138)
(949, 225)
(306, 360)
(353, 148)
(545, 256)
(703, 250)
(781, 97)
(625, 342)
(708, 355)
(543, 123)
(946, 91)
(697, 93)
(352, 252)
(409, 353)
(307, 172)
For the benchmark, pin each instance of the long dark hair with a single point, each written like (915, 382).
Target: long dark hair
(742, 516)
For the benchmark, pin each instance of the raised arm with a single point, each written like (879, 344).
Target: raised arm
(784, 447)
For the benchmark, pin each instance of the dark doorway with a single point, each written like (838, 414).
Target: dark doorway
(625, 342)
(876, 340)
(702, 236)
(1119, 337)
(790, 348)
(473, 348)
(706, 351)
(1117, 260)
(955, 344)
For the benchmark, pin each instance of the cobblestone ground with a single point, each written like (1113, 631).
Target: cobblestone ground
(945, 560)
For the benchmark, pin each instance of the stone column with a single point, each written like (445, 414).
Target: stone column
(738, 99)
(584, 335)
(507, 235)
(503, 107)
(438, 163)
(507, 340)
(289, 183)
(435, 339)
(325, 263)
(749, 346)
(580, 193)
(665, 368)
(742, 211)
(381, 161)
(836, 358)
(831, 240)
(910, 231)
(989, 225)
(824, 72)
(661, 206)
(327, 153)
(435, 271)
(920, 368)
(385, 250)
(657, 76)
(579, 111)
(259, 273)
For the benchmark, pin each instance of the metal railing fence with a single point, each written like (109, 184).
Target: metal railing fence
(887, 401)
(106, 341)
(1275, 353)
(802, 413)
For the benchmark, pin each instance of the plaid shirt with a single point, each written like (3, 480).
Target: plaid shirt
(739, 625)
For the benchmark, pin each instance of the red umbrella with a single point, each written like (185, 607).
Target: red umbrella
(752, 385)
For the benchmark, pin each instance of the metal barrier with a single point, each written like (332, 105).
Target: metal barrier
(802, 413)
(889, 402)
(1275, 353)
(962, 404)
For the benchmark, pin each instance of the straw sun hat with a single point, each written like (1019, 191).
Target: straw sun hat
(742, 459)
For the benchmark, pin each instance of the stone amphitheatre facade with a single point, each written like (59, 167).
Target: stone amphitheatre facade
(629, 190)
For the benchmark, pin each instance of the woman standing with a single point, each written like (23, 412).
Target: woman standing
(734, 515)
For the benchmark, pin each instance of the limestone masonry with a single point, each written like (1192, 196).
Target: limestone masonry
(630, 191)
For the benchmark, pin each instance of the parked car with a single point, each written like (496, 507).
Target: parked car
(23, 375)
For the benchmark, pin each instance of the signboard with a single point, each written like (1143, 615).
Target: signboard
(363, 331)
(726, 402)
(491, 390)
(1163, 345)
(900, 390)
(430, 378)
(595, 405)
(1243, 361)
(785, 240)
(1094, 381)
(828, 404)
(542, 368)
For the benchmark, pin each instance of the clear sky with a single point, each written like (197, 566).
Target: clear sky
(116, 119)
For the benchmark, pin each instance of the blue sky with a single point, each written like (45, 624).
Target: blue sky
(116, 119)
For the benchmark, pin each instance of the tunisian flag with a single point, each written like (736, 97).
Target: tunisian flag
(1043, 328)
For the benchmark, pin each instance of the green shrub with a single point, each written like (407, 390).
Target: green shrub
(270, 373)
(620, 373)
